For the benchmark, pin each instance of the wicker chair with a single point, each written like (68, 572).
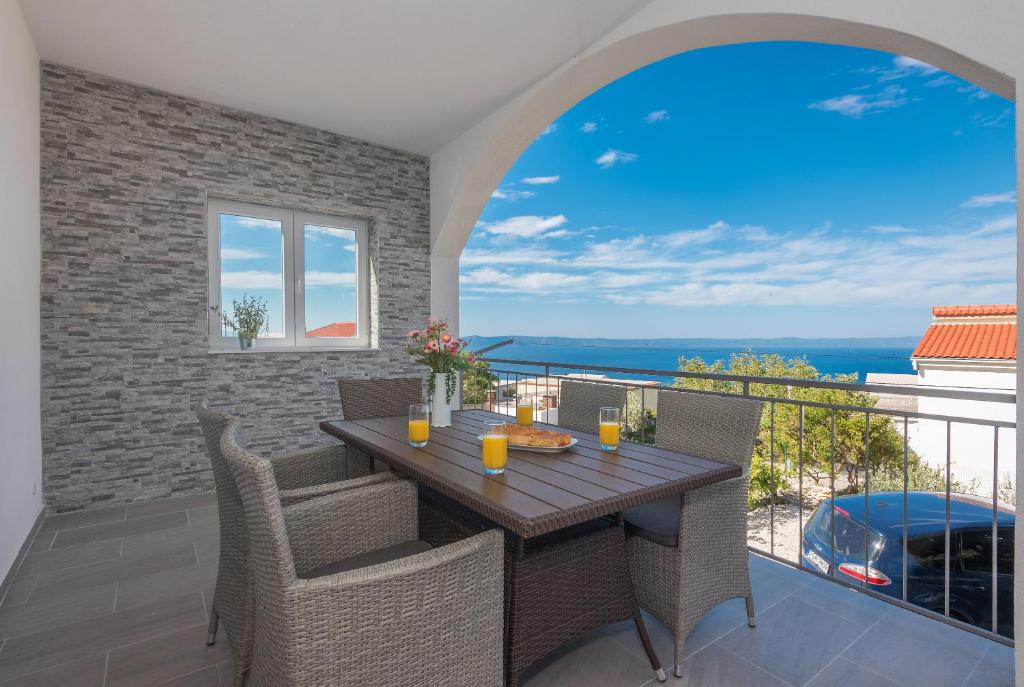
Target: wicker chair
(689, 554)
(342, 604)
(580, 403)
(366, 398)
(299, 476)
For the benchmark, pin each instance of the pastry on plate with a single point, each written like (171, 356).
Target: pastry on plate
(540, 438)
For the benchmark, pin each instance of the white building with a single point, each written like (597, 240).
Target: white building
(968, 348)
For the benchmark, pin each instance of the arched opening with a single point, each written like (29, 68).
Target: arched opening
(879, 93)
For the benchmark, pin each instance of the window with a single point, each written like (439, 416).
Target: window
(309, 269)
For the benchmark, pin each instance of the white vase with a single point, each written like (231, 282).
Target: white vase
(440, 408)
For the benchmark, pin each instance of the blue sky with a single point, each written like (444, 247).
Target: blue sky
(757, 190)
(251, 264)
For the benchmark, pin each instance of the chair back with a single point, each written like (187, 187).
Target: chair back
(269, 550)
(580, 403)
(366, 398)
(721, 428)
(233, 595)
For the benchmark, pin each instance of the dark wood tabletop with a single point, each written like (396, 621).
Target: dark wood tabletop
(539, 492)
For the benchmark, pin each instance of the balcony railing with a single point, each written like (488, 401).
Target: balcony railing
(541, 380)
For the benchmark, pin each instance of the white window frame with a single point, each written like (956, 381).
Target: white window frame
(293, 274)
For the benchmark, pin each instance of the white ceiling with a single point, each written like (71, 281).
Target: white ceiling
(412, 74)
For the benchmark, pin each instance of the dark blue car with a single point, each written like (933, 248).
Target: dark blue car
(970, 570)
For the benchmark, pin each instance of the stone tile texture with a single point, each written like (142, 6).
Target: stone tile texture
(126, 174)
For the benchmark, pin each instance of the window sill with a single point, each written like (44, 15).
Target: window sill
(294, 349)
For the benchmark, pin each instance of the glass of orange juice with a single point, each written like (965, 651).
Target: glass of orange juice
(524, 412)
(608, 430)
(419, 425)
(494, 451)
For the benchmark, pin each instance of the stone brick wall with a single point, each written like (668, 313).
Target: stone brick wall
(126, 172)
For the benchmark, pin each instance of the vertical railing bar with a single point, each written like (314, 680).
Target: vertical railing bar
(867, 495)
(746, 388)
(945, 591)
(643, 424)
(832, 510)
(771, 481)
(800, 487)
(906, 502)
(995, 527)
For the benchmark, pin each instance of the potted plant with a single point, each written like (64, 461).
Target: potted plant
(250, 319)
(445, 355)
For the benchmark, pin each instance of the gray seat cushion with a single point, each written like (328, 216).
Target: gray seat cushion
(657, 521)
(388, 553)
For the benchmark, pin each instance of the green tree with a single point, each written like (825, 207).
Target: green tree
(638, 423)
(884, 440)
(477, 381)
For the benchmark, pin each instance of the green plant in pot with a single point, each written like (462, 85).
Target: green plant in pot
(250, 320)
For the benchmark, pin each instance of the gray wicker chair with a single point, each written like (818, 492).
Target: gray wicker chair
(340, 604)
(689, 554)
(366, 398)
(580, 403)
(299, 476)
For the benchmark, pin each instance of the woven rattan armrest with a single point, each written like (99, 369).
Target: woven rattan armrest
(351, 522)
(293, 496)
(310, 467)
(483, 554)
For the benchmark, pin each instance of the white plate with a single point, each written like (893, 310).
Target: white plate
(540, 449)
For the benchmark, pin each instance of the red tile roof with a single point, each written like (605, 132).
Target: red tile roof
(969, 341)
(973, 310)
(334, 329)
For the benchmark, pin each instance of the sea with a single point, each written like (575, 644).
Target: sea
(829, 356)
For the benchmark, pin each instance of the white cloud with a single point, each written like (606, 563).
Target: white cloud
(549, 129)
(538, 181)
(656, 116)
(942, 80)
(258, 223)
(987, 200)
(906, 66)
(714, 267)
(588, 127)
(612, 157)
(522, 256)
(525, 226)
(251, 279)
(994, 121)
(314, 279)
(241, 254)
(511, 194)
(856, 105)
(346, 234)
(996, 226)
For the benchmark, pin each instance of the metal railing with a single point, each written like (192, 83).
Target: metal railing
(509, 374)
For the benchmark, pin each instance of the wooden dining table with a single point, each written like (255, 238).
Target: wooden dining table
(566, 565)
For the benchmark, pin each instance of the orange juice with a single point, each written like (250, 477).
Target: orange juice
(419, 431)
(524, 415)
(609, 435)
(495, 453)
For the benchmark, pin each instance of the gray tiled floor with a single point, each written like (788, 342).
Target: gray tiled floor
(120, 596)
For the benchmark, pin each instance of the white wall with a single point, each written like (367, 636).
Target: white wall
(971, 447)
(20, 462)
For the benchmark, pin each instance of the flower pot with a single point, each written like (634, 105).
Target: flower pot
(440, 408)
(246, 343)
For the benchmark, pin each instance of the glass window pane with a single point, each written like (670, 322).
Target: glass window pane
(330, 278)
(252, 267)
